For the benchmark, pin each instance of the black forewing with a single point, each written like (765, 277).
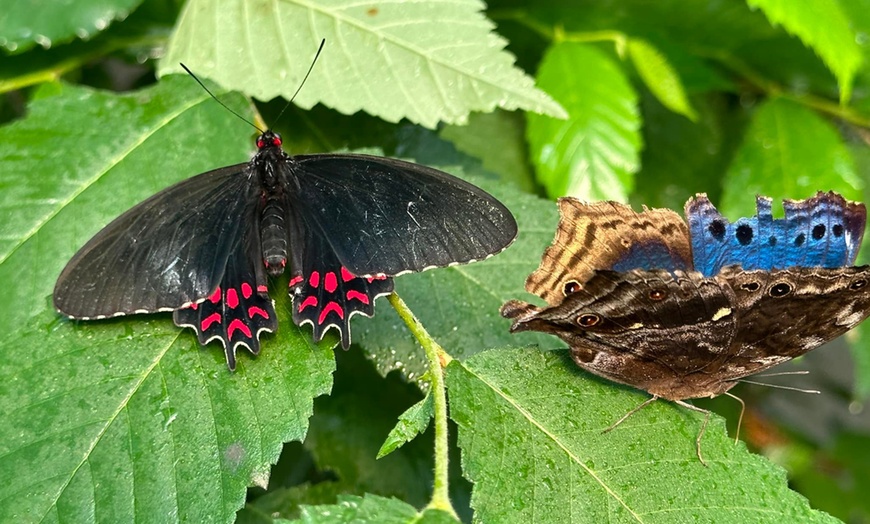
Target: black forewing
(386, 216)
(167, 251)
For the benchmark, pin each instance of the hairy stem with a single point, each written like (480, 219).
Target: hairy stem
(438, 360)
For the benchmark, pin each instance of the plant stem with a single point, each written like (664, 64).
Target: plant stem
(438, 360)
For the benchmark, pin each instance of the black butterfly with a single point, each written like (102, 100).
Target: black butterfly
(345, 224)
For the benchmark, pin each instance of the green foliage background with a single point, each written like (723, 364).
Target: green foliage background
(638, 101)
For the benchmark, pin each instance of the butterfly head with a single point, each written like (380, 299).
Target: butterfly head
(269, 139)
(567, 322)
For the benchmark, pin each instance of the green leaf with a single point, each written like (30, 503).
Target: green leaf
(594, 154)
(660, 77)
(287, 502)
(498, 139)
(127, 418)
(531, 432)
(374, 509)
(823, 26)
(411, 423)
(25, 24)
(788, 151)
(425, 61)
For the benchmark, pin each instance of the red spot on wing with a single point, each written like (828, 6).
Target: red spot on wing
(194, 306)
(232, 298)
(376, 277)
(314, 279)
(238, 325)
(209, 320)
(262, 289)
(216, 296)
(346, 275)
(310, 301)
(247, 291)
(356, 295)
(295, 280)
(330, 282)
(254, 310)
(330, 307)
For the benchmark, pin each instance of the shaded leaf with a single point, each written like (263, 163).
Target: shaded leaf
(498, 139)
(127, 418)
(350, 425)
(594, 154)
(823, 26)
(374, 509)
(25, 24)
(424, 61)
(411, 423)
(286, 502)
(788, 151)
(531, 432)
(660, 77)
(682, 158)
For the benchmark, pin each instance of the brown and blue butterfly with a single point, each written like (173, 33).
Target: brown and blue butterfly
(686, 311)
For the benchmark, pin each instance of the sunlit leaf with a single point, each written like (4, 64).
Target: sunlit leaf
(425, 61)
(823, 26)
(660, 77)
(594, 154)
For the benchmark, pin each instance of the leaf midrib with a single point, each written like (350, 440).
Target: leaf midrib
(338, 15)
(557, 441)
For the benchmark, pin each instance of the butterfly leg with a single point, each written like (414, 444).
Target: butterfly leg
(707, 414)
(645, 403)
(739, 420)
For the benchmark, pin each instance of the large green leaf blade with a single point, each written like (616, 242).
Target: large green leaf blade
(594, 154)
(125, 419)
(788, 151)
(823, 26)
(531, 432)
(424, 61)
(26, 24)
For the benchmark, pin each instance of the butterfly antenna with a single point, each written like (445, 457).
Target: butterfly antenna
(314, 61)
(777, 386)
(218, 100)
(782, 373)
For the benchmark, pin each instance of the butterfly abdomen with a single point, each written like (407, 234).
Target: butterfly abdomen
(273, 235)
